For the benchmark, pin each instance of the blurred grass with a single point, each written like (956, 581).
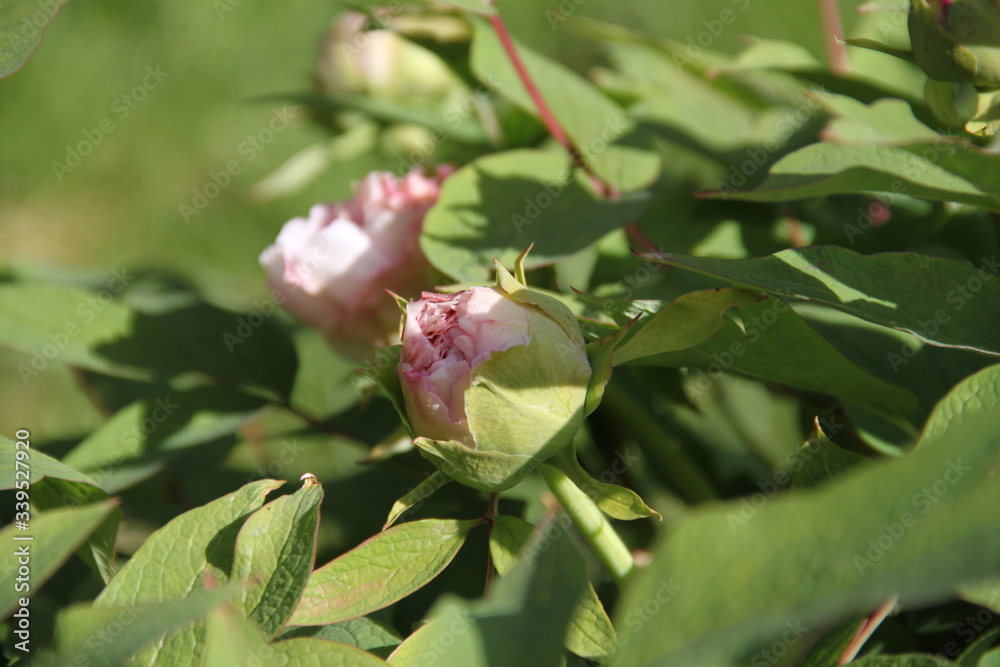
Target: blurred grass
(120, 208)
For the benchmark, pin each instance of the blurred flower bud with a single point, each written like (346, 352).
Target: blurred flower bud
(494, 380)
(334, 267)
(957, 40)
(361, 55)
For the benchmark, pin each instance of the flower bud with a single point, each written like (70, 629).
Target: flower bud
(334, 267)
(957, 40)
(494, 380)
(365, 55)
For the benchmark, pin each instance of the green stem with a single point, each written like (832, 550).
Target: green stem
(591, 523)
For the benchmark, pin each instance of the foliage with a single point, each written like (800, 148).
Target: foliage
(791, 269)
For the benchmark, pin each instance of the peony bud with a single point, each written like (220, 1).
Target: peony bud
(957, 40)
(334, 267)
(494, 380)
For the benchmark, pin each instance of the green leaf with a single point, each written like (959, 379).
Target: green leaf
(977, 648)
(363, 633)
(497, 205)
(39, 465)
(54, 536)
(476, 6)
(380, 571)
(590, 632)
(419, 493)
(241, 349)
(615, 501)
(895, 356)
(55, 323)
(875, 45)
(941, 301)
(87, 329)
(112, 635)
(827, 651)
(600, 354)
(684, 323)
(233, 640)
(590, 119)
(314, 651)
(275, 552)
(178, 558)
(822, 460)
(915, 660)
(943, 170)
(911, 527)
(22, 25)
(139, 439)
(384, 374)
(991, 659)
(522, 623)
(777, 345)
(99, 551)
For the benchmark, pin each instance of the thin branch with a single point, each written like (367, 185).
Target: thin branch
(833, 38)
(865, 631)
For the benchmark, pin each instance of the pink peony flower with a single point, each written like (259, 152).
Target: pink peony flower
(334, 267)
(444, 338)
(494, 380)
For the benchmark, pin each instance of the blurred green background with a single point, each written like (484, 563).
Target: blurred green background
(119, 209)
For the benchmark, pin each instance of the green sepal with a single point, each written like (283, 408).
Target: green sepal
(386, 375)
(519, 274)
(401, 303)
(486, 471)
(600, 353)
(420, 492)
(986, 122)
(941, 53)
(616, 501)
(528, 400)
(875, 45)
(552, 307)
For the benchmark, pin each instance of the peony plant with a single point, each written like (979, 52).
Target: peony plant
(333, 267)
(494, 380)
(957, 40)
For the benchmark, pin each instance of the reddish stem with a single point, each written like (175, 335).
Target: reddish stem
(553, 126)
(548, 118)
(865, 631)
(833, 35)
